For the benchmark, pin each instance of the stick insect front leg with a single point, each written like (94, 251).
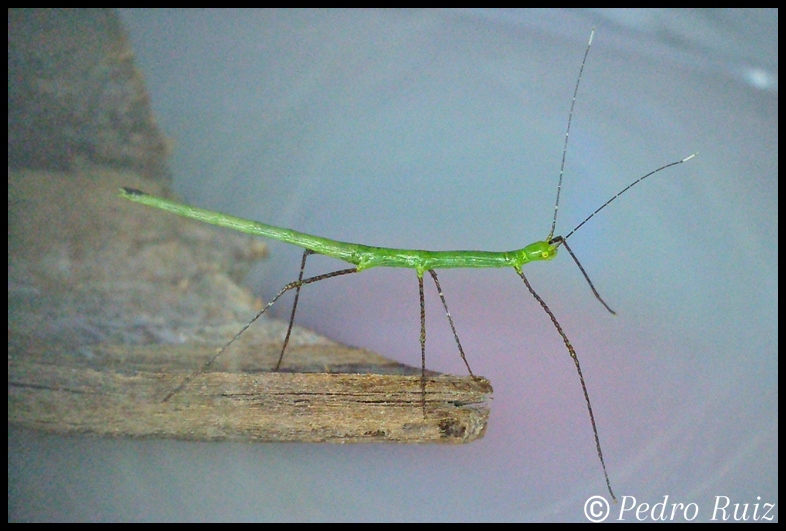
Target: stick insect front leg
(575, 358)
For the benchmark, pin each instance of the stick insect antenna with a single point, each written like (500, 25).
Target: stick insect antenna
(567, 135)
(563, 240)
(631, 185)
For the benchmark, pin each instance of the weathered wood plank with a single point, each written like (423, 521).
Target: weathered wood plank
(117, 391)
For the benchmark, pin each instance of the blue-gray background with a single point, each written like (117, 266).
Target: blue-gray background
(444, 130)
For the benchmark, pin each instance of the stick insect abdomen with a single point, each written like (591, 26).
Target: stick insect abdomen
(362, 256)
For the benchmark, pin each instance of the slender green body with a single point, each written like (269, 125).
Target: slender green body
(365, 257)
(361, 256)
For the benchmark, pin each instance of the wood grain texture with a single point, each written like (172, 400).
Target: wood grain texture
(117, 391)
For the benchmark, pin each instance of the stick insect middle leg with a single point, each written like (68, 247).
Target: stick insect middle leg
(423, 334)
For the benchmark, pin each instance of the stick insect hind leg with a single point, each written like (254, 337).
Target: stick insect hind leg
(296, 285)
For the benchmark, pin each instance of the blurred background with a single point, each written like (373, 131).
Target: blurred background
(444, 130)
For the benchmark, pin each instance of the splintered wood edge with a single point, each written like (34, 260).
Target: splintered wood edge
(119, 393)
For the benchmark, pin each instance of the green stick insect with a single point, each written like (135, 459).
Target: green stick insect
(363, 257)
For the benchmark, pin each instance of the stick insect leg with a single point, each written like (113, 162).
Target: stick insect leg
(422, 346)
(450, 320)
(294, 307)
(573, 355)
(292, 285)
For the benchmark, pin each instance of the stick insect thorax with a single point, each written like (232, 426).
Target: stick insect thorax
(363, 257)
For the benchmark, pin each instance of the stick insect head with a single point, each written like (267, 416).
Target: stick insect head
(536, 252)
